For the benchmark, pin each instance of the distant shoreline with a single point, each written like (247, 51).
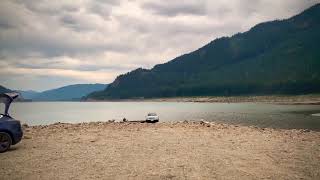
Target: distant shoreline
(312, 99)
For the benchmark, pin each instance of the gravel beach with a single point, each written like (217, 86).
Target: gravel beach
(181, 150)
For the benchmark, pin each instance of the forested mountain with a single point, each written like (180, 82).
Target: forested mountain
(278, 57)
(28, 94)
(4, 90)
(66, 93)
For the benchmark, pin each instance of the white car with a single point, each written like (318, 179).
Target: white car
(152, 117)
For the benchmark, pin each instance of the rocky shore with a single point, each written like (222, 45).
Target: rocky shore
(311, 99)
(180, 150)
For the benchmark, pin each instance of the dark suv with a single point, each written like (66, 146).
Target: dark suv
(10, 129)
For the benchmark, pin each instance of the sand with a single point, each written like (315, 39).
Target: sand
(181, 150)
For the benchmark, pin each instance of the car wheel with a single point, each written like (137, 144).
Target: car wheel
(5, 141)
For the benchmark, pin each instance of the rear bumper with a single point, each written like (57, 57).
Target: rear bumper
(152, 120)
(17, 137)
(12, 127)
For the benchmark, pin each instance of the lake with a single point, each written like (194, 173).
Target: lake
(257, 114)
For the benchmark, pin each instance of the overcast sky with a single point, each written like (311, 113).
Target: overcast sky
(46, 44)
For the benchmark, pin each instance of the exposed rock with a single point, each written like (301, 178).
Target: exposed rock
(25, 125)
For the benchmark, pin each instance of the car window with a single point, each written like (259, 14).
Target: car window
(2, 106)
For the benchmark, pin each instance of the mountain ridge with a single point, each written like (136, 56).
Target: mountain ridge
(276, 57)
(4, 89)
(66, 93)
(72, 92)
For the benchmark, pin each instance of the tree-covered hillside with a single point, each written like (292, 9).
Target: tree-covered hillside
(4, 90)
(67, 93)
(278, 57)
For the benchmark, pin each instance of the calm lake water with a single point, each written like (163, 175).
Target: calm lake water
(262, 115)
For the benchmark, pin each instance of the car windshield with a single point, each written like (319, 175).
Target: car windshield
(152, 114)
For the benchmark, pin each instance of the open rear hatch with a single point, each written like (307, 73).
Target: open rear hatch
(7, 99)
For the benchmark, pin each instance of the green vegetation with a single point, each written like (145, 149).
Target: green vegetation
(66, 93)
(278, 57)
(4, 90)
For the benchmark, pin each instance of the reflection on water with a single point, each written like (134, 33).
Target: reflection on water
(263, 115)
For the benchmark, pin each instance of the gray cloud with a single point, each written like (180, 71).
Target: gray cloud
(176, 7)
(69, 20)
(76, 41)
(47, 7)
(103, 8)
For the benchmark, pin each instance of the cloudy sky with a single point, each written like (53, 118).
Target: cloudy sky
(46, 44)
